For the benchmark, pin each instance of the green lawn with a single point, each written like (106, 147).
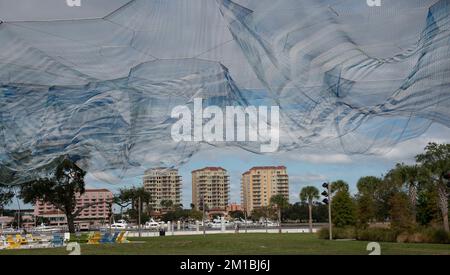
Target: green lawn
(231, 244)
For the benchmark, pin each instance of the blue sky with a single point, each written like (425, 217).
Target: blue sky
(304, 168)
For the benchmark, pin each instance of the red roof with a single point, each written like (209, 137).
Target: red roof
(268, 167)
(209, 169)
(282, 167)
(96, 190)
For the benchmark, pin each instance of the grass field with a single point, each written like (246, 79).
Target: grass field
(242, 244)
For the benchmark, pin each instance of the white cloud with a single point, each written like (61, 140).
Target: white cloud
(308, 178)
(323, 158)
(406, 151)
(106, 177)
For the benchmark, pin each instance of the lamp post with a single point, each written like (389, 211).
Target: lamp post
(18, 206)
(139, 216)
(327, 200)
(202, 203)
(245, 219)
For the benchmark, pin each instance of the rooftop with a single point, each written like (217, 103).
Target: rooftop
(209, 169)
(282, 167)
(96, 190)
(161, 169)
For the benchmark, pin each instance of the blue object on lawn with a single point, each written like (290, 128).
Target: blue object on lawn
(109, 238)
(106, 238)
(58, 240)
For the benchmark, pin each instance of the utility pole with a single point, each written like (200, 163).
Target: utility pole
(329, 213)
(267, 230)
(18, 206)
(203, 209)
(327, 200)
(139, 216)
(245, 219)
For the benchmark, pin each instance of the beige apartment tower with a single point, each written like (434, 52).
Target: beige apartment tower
(259, 184)
(163, 184)
(211, 183)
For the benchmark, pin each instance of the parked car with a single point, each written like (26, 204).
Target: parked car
(121, 224)
(151, 225)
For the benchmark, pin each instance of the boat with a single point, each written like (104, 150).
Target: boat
(121, 224)
(217, 223)
(151, 224)
(42, 228)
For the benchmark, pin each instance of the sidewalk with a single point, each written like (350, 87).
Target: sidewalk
(228, 231)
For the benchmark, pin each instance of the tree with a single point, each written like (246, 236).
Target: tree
(237, 214)
(309, 194)
(279, 202)
(59, 189)
(263, 212)
(436, 161)
(366, 199)
(6, 196)
(343, 209)
(427, 205)
(195, 214)
(408, 175)
(142, 195)
(387, 188)
(123, 199)
(167, 205)
(182, 214)
(339, 185)
(130, 197)
(401, 213)
(297, 212)
(320, 211)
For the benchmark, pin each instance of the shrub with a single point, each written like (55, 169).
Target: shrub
(338, 233)
(433, 235)
(323, 233)
(424, 235)
(377, 235)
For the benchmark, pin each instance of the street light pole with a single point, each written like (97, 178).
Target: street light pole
(18, 206)
(245, 219)
(139, 216)
(202, 198)
(330, 224)
(327, 200)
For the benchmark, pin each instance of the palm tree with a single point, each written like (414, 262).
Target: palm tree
(309, 194)
(280, 202)
(408, 175)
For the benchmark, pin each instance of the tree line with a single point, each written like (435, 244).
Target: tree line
(407, 197)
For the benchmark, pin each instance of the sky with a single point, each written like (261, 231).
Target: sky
(311, 166)
(304, 169)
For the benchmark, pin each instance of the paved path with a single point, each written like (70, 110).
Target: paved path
(228, 231)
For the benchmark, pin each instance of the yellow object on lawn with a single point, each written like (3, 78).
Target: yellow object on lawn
(11, 243)
(95, 238)
(122, 238)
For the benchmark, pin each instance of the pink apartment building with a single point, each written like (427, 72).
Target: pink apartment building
(94, 215)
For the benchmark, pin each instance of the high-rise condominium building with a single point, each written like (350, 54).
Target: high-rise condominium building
(164, 184)
(259, 184)
(211, 183)
(98, 212)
